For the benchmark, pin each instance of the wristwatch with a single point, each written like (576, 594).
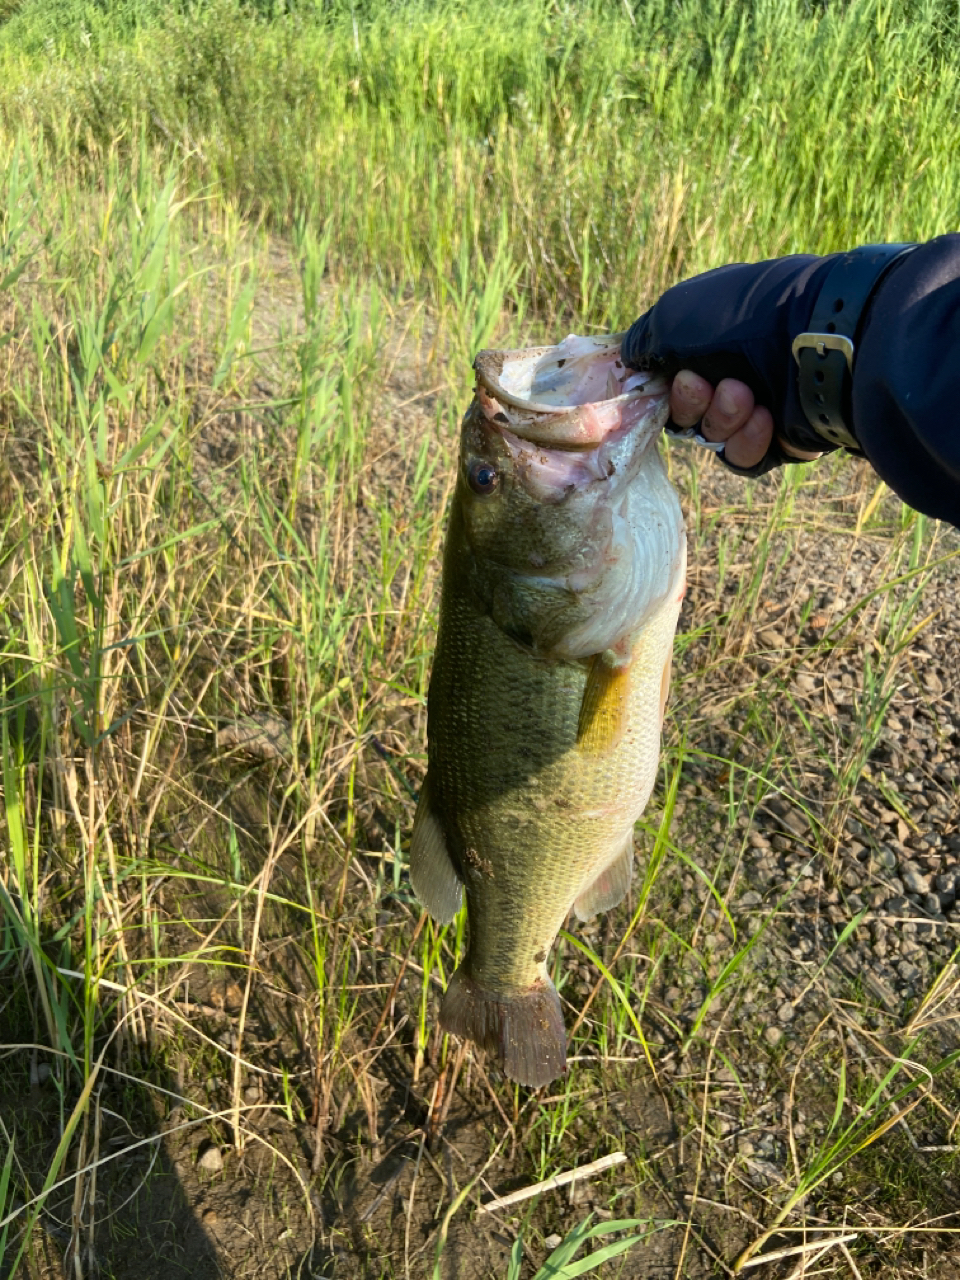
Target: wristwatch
(825, 354)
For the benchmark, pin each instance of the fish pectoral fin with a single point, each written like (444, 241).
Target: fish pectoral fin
(432, 873)
(610, 886)
(603, 708)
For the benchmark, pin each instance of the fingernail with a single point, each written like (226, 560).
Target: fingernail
(725, 402)
(686, 383)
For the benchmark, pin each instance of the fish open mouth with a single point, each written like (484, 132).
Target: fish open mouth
(571, 396)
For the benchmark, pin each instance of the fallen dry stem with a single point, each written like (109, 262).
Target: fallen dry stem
(556, 1180)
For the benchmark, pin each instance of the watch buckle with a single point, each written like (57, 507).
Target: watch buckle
(822, 343)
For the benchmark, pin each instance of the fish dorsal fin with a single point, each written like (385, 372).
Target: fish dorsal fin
(603, 708)
(610, 886)
(432, 873)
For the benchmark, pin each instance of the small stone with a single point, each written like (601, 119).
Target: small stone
(232, 997)
(947, 882)
(908, 972)
(796, 821)
(855, 902)
(39, 1072)
(933, 682)
(913, 881)
(251, 1094)
(786, 1011)
(210, 1158)
(897, 906)
(932, 930)
(931, 903)
(886, 858)
(750, 899)
(773, 1036)
(553, 1241)
(210, 1216)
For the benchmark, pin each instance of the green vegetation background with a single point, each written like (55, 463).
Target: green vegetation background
(613, 145)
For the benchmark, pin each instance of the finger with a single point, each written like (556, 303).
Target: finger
(690, 397)
(749, 445)
(731, 406)
(796, 453)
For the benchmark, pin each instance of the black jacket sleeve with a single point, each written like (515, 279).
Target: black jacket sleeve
(906, 384)
(739, 321)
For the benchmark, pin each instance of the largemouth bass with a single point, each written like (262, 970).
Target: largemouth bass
(563, 572)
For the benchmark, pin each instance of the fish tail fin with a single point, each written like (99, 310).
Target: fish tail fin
(525, 1032)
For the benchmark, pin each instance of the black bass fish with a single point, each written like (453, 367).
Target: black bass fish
(563, 573)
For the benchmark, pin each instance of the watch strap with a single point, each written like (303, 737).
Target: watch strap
(825, 354)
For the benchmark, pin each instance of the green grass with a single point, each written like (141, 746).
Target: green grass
(246, 255)
(616, 149)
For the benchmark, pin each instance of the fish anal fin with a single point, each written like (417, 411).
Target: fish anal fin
(604, 707)
(524, 1032)
(432, 873)
(610, 886)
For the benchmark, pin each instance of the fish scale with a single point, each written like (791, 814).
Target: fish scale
(546, 699)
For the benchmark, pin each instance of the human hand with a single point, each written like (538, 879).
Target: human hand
(725, 338)
(730, 413)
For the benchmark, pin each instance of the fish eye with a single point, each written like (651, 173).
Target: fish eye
(482, 477)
